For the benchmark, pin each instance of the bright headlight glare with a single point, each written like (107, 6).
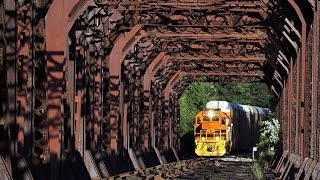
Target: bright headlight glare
(217, 138)
(210, 114)
(203, 138)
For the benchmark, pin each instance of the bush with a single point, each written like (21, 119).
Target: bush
(269, 137)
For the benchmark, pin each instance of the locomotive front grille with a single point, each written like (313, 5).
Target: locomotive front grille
(212, 135)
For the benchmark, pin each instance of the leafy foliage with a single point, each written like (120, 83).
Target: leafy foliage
(269, 130)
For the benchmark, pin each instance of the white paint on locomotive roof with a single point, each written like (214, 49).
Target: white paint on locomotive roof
(218, 104)
(227, 105)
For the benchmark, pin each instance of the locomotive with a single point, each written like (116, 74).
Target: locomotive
(223, 127)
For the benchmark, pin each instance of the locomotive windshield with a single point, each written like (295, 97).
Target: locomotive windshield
(211, 116)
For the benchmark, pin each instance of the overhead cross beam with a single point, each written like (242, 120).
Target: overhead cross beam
(233, 6)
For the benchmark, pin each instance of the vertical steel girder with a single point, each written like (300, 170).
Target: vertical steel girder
(297, 105)
(312, 66)
(303, 74)
(116, 58)
(315, 80)
(10, 8)
(79, 99)
(56, 46)
(168, 136)
(25, 79)
(40, 124)
(284, 121)
(148, 122)
(291, 99)
(308, 133)
(176, 122)
(135, 111)
(3, 139)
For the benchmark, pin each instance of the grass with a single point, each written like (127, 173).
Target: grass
(265, 156)
(257, 170)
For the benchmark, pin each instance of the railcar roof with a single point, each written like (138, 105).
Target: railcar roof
(224, 106)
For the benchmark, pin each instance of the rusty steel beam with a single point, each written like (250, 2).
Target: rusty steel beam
(206, 31)
(291, 105)
(10, 8)
(246, 69)
(79, 95)
(248, 58)
(258, 74)
(25, 79)
(168, 107)
(201, 20)
(3, 127)
(315, 79)
(116, 57)
(148, 121)
(77, 10)
(254, 37)
(55, 63)
(56, 45)
(284, 120)
(202, 48)
(303, 73)
(208, 20)
(40, 124)
(168, 121)
(234, 6)
(297, 128)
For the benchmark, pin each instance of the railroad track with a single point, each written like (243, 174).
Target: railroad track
(197, 168)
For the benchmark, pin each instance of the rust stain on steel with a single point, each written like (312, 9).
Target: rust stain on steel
(297, 106)
(56, 46)
(97, 101)
(290, 104)
(116, 57)
(77, 10)
(168, 119)
(248, 58)
(24, 92)
(315, 79)
(284, 106)
(79, 141)
(178, 75)
(214, 37)
(148, 122)
(303, 72)
(160, 65)
(123, 109)
(11, 81)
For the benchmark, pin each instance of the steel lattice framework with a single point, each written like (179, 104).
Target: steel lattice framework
(91, 88)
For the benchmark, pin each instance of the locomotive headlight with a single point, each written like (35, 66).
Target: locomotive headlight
(210, 114)
(203, 138)
(217, 138)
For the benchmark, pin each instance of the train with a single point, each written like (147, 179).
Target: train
(223, 127)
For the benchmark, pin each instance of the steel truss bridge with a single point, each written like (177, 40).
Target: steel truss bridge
(91, 88)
